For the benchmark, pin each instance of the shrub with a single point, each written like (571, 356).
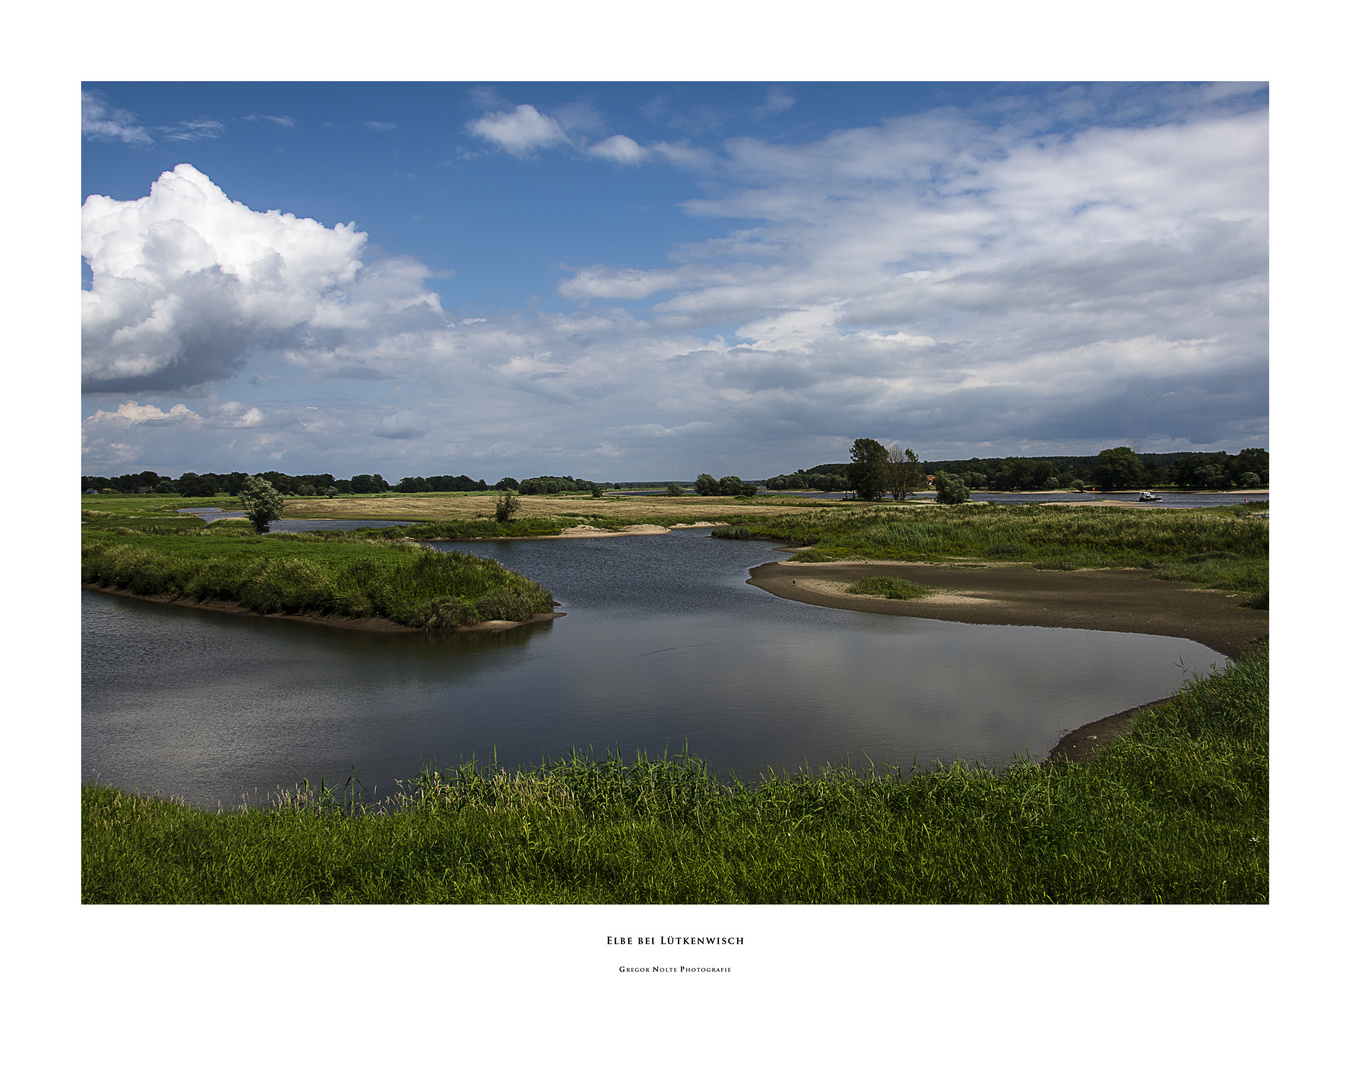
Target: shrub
(950, 490)
(889, 587)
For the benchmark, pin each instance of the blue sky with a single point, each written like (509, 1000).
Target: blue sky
(651, 280)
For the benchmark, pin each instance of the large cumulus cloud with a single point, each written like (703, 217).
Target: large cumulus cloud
(186, 282)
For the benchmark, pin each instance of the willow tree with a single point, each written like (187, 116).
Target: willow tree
(262, 503)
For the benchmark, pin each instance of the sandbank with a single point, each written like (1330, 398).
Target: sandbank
(1014, 594)
(583, 531)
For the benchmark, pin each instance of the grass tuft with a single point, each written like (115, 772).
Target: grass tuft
(890, 587)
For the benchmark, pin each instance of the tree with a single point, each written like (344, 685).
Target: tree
(507, 505)
(867, 471)
(1118, 468)
(197, 487)
(1255, 461)
(734, 485)
(950, 490)
(706, 485)
(673, 489)
(262, 503)
(903, 472)
(368, 484)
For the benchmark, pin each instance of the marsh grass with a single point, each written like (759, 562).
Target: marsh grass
(352, 575)
(1224, 548)
(1174, 812)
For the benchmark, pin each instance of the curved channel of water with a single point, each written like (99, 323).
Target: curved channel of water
(663, 645)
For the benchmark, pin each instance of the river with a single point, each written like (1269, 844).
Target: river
(664, 645)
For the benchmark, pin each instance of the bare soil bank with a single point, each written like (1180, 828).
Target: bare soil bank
(1128, 601)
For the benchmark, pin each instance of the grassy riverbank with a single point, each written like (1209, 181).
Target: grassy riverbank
(162, 554)
(1221, 548)
(1174, 812)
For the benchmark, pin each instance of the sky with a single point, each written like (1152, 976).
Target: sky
(645, 281)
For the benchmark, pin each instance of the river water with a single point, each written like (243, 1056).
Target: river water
(664, 645)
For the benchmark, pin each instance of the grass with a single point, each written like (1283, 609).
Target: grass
(1174, 812)
(354, 575)
(1221, 548)
(890, 587)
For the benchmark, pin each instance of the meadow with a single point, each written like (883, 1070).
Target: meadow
(1220, 548)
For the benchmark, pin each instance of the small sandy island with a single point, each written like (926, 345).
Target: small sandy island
(1014, 594)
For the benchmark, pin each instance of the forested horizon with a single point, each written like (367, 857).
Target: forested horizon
(1110, 468)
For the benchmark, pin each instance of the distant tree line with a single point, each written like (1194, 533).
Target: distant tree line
(873, 472)
(816, 478)
(206, 485)
(1114, 469)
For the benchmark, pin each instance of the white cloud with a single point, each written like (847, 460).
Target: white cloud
(620, 149)
(776, 100)
(194, 130)
(185, 283)
(520, 132)
(99, 120)
(132, 413)
(618, 284)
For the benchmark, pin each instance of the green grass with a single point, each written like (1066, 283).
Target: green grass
(890, 587)
(1174, 812)
(355, 575)
(1222, 548)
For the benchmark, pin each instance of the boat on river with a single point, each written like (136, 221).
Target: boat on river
(1148, 496)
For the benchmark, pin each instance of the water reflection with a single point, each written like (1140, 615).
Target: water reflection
(664, 645)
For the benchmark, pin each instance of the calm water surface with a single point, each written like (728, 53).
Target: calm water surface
(664, 644)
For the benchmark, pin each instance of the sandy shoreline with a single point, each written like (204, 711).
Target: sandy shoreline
(1014, 594)
(576, 532)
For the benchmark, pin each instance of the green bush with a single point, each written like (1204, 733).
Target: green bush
(890, 587)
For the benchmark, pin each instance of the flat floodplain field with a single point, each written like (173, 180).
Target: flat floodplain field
(440, 507)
